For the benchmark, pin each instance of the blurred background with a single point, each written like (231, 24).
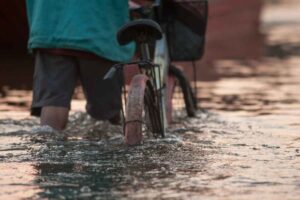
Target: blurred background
(233, 24)
(236, 40)
(246, 146)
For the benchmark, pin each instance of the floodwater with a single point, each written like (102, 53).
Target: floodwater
(245, 145)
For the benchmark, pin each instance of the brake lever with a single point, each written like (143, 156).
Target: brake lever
(110, 74)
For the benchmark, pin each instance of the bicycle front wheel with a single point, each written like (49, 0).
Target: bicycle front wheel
(189, 97)
(142, 110)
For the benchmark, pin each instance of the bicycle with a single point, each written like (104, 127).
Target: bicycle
(151, 90)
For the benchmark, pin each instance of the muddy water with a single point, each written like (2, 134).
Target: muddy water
(245, 146)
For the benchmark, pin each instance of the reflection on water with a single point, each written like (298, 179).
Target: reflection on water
(246, 147)
(207, 156)
(65, 166)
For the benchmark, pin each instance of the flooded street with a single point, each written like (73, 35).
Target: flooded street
(244, 145)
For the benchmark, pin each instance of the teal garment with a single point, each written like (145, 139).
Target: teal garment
(87, 25)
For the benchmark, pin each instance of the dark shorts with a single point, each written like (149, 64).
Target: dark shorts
(55, 78)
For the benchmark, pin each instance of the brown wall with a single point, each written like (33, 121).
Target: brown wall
(233, 32)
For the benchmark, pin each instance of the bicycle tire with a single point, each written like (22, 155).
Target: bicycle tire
(141, 101)
(189, 97)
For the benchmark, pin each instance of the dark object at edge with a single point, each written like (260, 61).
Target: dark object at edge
(186, 27)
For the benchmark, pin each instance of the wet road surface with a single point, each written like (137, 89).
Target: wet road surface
(245, 146)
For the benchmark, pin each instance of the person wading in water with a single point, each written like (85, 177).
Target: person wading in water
(75, 40)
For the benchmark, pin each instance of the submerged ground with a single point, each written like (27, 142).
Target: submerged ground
(245, 146)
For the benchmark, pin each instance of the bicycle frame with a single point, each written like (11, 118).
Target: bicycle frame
(150, 91)
(156, 69)
(161, 58)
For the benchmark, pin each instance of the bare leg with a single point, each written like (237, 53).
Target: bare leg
(56, 117)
